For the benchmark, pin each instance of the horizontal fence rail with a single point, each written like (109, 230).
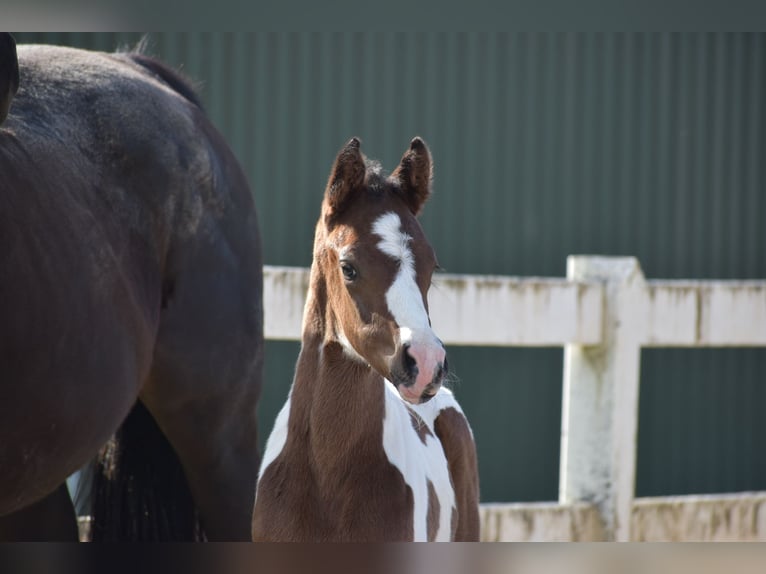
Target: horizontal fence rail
(468, 309)
(491, 310)
(705, 314)
(603, 313)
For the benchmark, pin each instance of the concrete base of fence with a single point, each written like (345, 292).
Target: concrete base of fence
(540, 522)
(736, 517)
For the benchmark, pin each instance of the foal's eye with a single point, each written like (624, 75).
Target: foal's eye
(349, 273)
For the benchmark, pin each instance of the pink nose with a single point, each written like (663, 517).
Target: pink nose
(426, 362)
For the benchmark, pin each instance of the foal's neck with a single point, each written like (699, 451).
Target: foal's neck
(337, 387)
(338, 401)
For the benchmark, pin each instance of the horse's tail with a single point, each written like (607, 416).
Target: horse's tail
(9, 73)
(139, 491)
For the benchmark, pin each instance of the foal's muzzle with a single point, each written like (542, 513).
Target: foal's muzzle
(419, 370)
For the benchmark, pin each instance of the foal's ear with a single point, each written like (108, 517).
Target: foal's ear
(346, 176)
(414, 175)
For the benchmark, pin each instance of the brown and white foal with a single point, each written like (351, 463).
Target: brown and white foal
(369, 446)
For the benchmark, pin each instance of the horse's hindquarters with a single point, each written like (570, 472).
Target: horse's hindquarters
(79, 298)
(68, 383)
(130, 264)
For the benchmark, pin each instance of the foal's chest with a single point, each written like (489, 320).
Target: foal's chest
(412, 446)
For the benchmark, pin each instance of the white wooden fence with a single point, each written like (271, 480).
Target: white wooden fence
(602, 314)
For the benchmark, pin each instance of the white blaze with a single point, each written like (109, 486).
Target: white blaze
(403, 297)
(405, 302)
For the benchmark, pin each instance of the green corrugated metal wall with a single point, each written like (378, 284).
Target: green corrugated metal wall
(545, 145)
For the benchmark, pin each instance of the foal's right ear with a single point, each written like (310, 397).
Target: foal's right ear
(347, 176)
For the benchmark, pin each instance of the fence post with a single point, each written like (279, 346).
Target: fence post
(600, 396)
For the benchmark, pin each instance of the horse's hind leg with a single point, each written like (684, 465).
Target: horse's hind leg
(205, 384)
(50, 519)
(216, 442)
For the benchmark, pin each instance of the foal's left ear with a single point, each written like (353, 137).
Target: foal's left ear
(414, 175)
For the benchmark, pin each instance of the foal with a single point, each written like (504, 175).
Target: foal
(369, 446)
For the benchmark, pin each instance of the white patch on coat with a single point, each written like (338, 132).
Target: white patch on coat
(418, 463)
(444, 399)
(277, 439)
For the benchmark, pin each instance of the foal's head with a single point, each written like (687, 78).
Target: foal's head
(377, 266)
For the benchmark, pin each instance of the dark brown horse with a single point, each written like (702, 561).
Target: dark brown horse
(370, 446)
(130, 291)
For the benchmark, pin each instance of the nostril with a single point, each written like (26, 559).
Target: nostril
(445, 365)
(410, 365)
